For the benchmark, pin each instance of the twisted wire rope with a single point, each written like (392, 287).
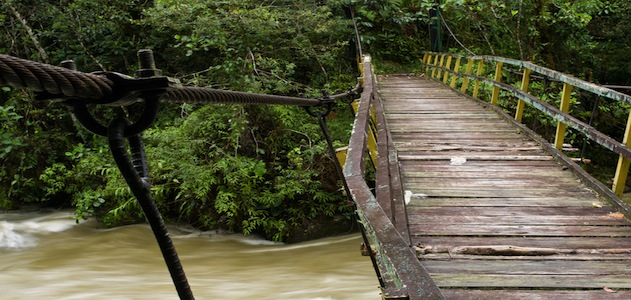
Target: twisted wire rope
(66, 83)
(40, 77)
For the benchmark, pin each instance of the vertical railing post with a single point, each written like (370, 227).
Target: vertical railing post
(622, 171)
(476, 88)
(498, 78)
(435, 64)
(525, 82)
(448, 66)
(455, 75)
(440, 65)
(465, 81)
(564, 107)
(427, 62)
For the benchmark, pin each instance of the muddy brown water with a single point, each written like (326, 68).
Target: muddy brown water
(48, 256)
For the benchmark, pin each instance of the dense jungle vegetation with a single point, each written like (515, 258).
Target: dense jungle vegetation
(260, 169)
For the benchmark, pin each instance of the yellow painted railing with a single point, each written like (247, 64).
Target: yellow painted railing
(435, 69)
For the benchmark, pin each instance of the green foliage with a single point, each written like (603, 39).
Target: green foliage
(251, 169)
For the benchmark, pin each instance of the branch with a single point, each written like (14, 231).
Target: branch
(31, 34)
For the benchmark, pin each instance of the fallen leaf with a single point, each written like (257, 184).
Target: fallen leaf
(608, 290)
(597, 204)
(613, 216)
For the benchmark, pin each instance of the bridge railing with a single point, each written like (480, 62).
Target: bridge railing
(382, 215)
(469, 73)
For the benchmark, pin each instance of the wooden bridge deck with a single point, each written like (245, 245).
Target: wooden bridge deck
(492, 214)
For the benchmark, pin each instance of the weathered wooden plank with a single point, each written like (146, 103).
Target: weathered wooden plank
(541, 242)
(529, 267)
(444, 128)
(513, 211)
(518, 220)
(534, 281)
(497, 193)
(519, 230)
(509, 174)
(455, 136)
(420, 200)
(498, 182)
(623, 258)
(597, 294)
(488, 165)
(474, 156)
(468, 148)
(453, 117)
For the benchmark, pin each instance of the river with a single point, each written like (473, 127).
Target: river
(48, 256)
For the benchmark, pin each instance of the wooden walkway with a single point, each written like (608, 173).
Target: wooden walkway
(493, 216)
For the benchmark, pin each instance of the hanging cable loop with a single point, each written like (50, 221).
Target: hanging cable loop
(146, 119)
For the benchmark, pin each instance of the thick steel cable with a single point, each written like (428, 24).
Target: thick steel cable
(43, 78)
(204, 95)
(66, 83)
(136, 174)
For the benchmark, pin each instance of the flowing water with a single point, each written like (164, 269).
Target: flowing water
(48, 256)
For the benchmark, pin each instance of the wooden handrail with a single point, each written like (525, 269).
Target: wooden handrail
(400, 273)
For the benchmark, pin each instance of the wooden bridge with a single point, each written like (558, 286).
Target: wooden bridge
(471, 204)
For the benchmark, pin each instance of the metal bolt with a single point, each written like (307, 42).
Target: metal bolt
(147, 64)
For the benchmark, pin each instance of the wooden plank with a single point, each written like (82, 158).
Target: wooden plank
(519, 230)
(530, 267)
(457, 136)
(474, 156)
(469, 148)
(478, 116)
(541, 242)
(489, 165)
(497, 182)
(514, 211)
(597, 294)
(421, 201)
(517, 220)
(497, 193)
(506, 173)
(534, 281)
(623, 258)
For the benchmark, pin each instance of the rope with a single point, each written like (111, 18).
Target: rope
(57, 82)
(43, 78)
(205, 95)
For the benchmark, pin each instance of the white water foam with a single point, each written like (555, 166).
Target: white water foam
(11, 239)
(18, 234)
